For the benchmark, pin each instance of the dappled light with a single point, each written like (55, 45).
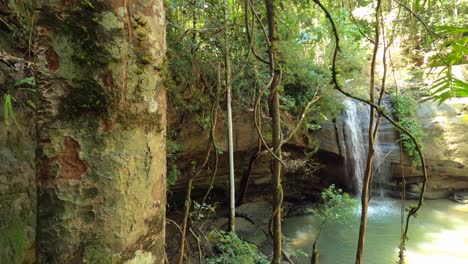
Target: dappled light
(439, 235)
(233, 132)
(442, 236)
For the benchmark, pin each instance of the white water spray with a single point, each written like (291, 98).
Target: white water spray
(356, 116)
(356, 135)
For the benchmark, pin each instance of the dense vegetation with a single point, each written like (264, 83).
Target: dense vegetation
(405, 110)
(288, 65)
(204, 36)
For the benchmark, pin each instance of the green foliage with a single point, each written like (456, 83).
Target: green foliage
(172, 173)
(453, 51)
(14, 236)
(337, 206)
(196, 46)
(17, 20)
(304, 44)
(171, 155)
(230, 249)
(202, 211)
(405, 109)
(26, 84)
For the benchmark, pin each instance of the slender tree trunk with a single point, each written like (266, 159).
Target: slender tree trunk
(101, 163)
(276, 128)
(315, 253)
(413, 25)
(188, 191)
(370, 154)
(232, 183)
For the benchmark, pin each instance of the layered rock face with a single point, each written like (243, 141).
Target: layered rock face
(444, 142)
(445, 146)
(300, 178)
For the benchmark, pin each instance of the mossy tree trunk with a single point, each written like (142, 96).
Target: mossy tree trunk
(17, 142)
(101, 131)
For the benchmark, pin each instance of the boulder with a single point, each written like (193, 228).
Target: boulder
(459, 197)
(258, 212)
(249, 231)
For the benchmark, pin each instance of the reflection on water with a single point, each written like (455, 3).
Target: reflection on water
(439, 234)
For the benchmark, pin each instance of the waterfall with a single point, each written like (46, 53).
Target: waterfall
(386, 148)
(355, 120)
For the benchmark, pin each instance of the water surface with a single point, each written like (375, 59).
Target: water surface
(439, 234)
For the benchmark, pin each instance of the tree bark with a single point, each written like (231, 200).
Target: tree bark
(370, 154)
(101, 158)
(276, 128)
(232, 183)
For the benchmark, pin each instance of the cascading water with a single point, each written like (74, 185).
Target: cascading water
(356, 141)
(386, 150)
(355, 132)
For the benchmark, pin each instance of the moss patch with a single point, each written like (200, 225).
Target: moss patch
(91, 44)
(464, 119)
(15, 236)
(97, 254)
(86, 96)
(87, 36)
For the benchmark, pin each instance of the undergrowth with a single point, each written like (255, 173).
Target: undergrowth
(230, 249)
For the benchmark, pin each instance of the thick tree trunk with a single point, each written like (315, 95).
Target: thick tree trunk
(276, 129)
(101, 132)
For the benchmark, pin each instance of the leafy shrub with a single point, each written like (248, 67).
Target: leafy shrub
(230, 249)
(337, 206)
(172, 171)
(405, 109)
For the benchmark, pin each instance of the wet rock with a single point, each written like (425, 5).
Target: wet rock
(459, 197)
(258, 212)
(249, 231)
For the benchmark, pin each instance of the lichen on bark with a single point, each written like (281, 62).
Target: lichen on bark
(101, 132)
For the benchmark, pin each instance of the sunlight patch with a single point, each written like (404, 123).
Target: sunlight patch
(142, 257)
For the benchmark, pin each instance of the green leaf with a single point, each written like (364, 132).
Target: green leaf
(8, 109)
(451, 30)
(29, 81)
(28, 89)
(31, 103)
(6, 98)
